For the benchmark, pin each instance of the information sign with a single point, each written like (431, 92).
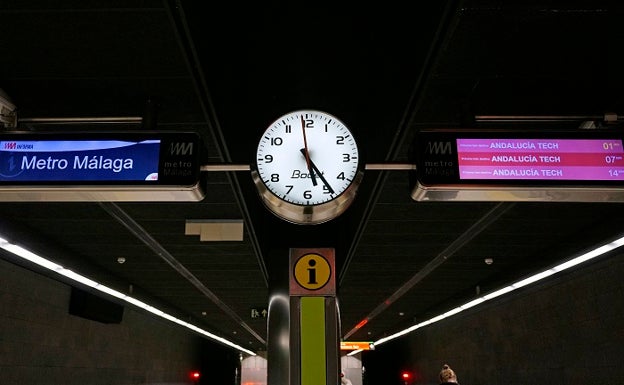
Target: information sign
(357, 345)
(519, 165)
(114, 166)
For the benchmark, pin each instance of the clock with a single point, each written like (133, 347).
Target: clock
(308, 167)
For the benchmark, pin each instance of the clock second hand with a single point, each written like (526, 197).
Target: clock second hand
(320, 175)
(306, 153)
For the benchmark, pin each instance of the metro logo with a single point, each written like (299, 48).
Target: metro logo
(16, 146)
(181, 148)
(439, 148)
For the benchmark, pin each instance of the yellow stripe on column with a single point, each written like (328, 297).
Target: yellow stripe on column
(312, 333)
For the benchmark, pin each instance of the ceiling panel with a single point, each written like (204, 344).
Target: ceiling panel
(388, 71)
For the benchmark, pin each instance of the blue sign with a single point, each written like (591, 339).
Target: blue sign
(100, 158)
(100, 166)
(79, 160)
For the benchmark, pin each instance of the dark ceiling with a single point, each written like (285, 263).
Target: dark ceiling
(227, 70)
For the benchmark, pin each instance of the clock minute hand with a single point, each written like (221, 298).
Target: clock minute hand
(320, 175)
(306, 153)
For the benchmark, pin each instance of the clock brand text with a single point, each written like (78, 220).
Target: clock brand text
(298, 174)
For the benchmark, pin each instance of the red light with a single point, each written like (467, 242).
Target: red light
(194, 375)
(362, 323)
(406, 376)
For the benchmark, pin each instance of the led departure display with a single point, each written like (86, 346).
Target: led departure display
(519, 165)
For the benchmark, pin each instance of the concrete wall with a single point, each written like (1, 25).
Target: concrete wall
(568, 330)
(351, 366)
(254, 370)
(41, 343)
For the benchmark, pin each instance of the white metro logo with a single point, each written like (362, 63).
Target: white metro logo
(178, 148)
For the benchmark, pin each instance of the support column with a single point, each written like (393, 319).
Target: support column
(303, 339)
(278, 320)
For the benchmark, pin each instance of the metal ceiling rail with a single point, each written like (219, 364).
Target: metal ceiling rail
(84, 120)
(444, 255)
(136, 229)
(191, 57)
(448, 21)
(607, 118)
(368, 166)
(390, 166)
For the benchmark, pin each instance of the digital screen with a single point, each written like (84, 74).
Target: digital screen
(540, 159)
(129, 166)
(518, 165)
(79, 161)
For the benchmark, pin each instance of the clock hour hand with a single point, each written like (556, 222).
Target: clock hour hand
(309, 163)
(306, 153)
(320, 175)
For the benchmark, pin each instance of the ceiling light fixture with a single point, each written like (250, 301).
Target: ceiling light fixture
(601, 250)
(54, 267)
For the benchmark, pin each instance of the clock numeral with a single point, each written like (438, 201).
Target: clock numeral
(305, 185)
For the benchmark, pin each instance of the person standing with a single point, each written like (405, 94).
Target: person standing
(447, 376)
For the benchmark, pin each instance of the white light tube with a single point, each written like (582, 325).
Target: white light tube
(601, 250)
(34, 258)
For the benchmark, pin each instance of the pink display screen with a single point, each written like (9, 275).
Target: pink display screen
(541, 159)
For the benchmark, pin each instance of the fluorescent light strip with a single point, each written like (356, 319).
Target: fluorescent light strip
(34, 258)
(524, 282)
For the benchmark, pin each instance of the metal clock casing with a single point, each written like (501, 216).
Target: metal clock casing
(296, 151)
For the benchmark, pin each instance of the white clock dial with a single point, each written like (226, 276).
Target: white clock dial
(307, 158)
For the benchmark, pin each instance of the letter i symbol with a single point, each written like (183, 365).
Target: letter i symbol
(312, 272)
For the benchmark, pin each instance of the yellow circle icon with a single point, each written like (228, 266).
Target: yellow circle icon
(312, 271)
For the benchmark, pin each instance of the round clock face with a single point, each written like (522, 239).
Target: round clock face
(308, 159)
